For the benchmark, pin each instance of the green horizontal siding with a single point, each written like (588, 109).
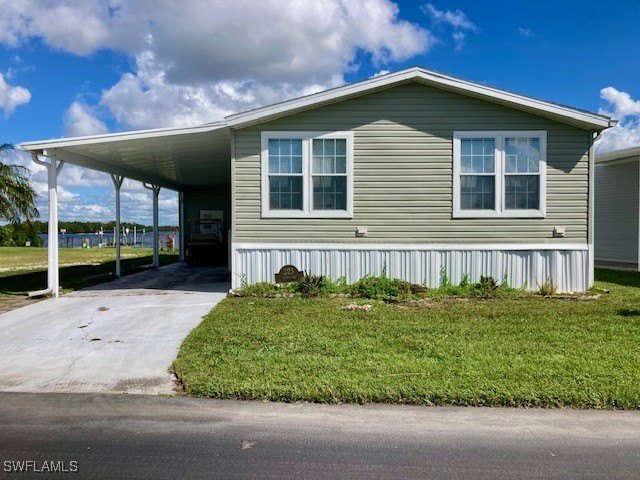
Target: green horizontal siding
(403, 172)
(215, 197)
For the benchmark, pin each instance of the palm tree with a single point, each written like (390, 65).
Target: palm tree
(17, 196)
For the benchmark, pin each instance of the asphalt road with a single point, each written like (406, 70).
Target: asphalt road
(130, 436)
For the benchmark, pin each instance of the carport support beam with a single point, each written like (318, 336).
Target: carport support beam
(156, 192)
(53, 268)
(181, 232)
(117, 183)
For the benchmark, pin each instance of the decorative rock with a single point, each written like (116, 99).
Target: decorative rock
(353, 306)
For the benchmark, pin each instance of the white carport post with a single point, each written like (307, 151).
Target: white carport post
(53, 272)
(117, 183)
(156, 192)
(181, 232)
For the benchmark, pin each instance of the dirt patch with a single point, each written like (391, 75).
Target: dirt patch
(12, 302)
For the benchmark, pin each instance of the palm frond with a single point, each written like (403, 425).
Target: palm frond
(17, 196)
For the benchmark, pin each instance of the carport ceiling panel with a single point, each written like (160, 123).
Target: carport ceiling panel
(199, 159)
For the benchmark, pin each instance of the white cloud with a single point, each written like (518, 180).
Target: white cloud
(64, 195)
(458, 39)
(623, 135)
(526, 32)
(622, 103)
(194, 59)
(622, 107)
(380, 73)
(73, 176)
(68, 25)
(457, 19)
(12, 96)
(79, 120)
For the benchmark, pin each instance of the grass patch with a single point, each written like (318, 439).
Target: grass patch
(24, 269)
(527, 351)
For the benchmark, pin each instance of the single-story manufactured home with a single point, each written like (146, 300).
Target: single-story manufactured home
(617, 209)
(414, 173)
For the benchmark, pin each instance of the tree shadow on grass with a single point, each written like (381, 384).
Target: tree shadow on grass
(619, 277)
(625, 312)
(78, 276)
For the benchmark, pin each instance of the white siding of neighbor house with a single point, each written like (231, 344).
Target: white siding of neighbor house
(617, 193)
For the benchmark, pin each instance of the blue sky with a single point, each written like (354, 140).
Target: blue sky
(72, 68)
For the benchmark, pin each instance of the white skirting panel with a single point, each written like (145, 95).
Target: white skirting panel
(518, 266)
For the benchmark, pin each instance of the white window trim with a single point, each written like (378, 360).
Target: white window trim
(499, 168)
(307, 189)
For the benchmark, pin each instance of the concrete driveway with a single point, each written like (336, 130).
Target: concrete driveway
(118, 337)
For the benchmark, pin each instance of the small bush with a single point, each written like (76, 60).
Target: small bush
(548, 287)
(311, 285)
(488, 286)
(384, 288)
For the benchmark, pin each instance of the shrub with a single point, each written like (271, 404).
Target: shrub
(487, 286)
(548, 287)
(311, 285)
(384, 288)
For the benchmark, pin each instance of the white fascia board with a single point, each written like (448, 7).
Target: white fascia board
(40, 145)
(618, 154)
(592, 120)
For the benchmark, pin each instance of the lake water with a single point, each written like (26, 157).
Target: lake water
(71, 240)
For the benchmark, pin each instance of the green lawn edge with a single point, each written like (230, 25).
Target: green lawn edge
(517, 352)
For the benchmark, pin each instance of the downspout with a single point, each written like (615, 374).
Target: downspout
(53, 273)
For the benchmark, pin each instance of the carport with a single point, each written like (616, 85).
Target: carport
(194, 161)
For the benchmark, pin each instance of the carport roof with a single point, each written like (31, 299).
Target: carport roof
(174, 158)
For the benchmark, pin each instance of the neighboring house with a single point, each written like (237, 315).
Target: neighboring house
(617, 209)
(414, 173)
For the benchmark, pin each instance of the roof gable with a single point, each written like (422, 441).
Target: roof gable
(561, 113)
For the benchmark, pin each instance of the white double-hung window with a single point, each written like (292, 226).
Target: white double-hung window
(307, 174)
(499, 174)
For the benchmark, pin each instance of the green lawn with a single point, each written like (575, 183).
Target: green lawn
(530, 351)
(23, 269)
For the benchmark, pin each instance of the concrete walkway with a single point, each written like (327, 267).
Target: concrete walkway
(117, 337)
